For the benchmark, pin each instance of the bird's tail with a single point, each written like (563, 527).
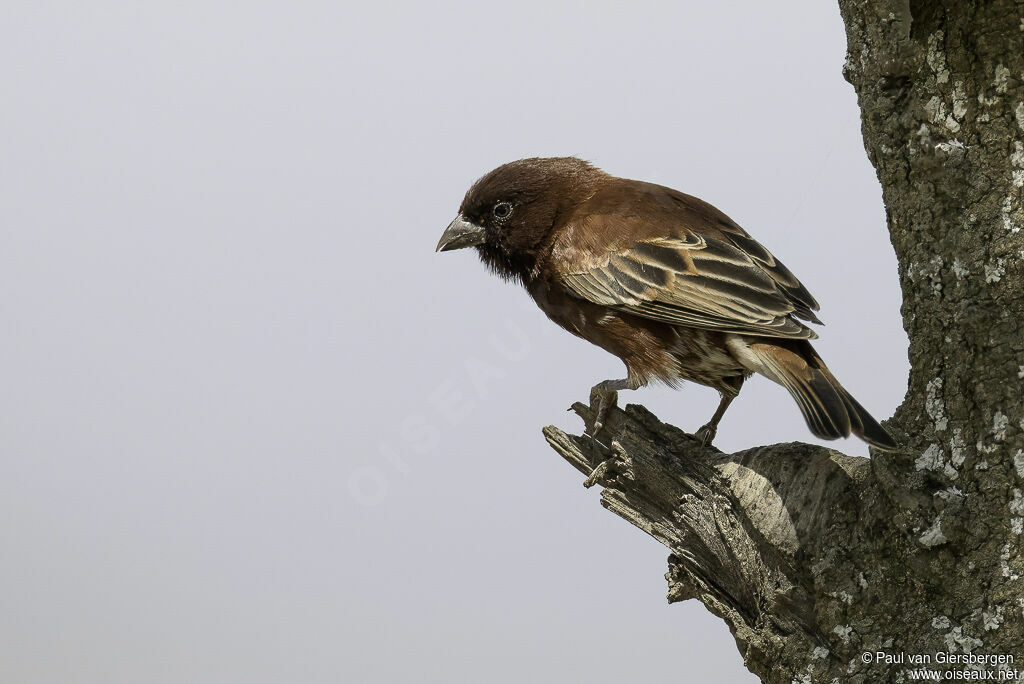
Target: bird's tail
(830, 411)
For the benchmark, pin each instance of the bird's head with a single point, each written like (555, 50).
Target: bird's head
(509, 212)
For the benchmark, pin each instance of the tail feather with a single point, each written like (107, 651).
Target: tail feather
(869, 430)
(830, 411)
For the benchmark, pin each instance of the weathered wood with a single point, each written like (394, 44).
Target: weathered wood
(813, 557)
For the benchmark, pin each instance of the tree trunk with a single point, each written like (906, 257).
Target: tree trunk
(814, 558)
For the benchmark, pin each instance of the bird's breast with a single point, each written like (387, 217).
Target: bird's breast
(579, 317)
(645, 346)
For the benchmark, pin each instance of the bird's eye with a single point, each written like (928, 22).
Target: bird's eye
(502, 210)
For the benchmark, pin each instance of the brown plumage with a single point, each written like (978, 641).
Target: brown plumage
(663, 280)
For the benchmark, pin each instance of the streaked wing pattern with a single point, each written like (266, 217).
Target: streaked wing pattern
(701, 282)
(804, 303)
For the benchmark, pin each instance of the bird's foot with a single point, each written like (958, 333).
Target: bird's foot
(706, 434)
(602, 400)
(708, 431)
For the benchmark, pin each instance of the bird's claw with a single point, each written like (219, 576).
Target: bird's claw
(706, 434)
(601, 402)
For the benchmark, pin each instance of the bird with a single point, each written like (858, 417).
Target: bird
(663, 280)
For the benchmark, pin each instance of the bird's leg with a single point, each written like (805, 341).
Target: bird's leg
(707, 433)
(729, 389)
(605, 395)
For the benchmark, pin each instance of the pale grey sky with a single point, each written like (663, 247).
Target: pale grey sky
(254, 429)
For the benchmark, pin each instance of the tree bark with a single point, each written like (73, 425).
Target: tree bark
(814, 558)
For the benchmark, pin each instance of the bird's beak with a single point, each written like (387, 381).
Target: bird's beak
(460, 233)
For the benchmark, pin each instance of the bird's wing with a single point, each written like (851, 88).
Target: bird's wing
(721, 280)
(804, 304)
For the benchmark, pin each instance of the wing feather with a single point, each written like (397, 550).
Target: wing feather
(733, 285)
(804, 303)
